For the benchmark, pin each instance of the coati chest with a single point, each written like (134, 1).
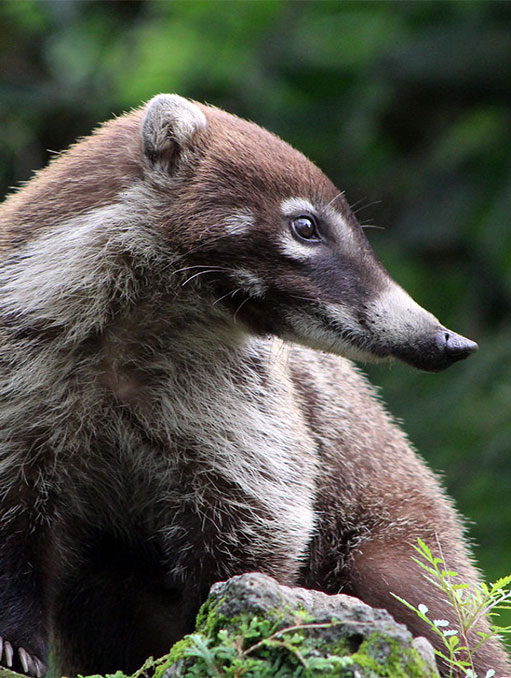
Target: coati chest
(193, 444)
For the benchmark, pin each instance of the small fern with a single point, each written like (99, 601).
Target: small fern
(470, 603)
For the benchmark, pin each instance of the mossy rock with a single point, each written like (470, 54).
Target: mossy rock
(252, 627)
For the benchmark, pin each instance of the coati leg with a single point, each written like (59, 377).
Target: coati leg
(24, 547)
(111, 621)
(373, 565)
(114, 609)
(380, 567)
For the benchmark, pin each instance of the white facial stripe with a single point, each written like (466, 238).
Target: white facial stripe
(239, 222)
(250, 283)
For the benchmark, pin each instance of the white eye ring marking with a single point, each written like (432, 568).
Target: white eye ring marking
(290, 245)
(293, 206)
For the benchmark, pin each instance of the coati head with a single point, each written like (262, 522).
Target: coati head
(222, 217)
(267, 237)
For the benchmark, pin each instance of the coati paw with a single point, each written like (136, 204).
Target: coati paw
(31, 664)
(21, 660)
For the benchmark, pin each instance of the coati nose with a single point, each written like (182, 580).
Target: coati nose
(436, 351)
(453, 345)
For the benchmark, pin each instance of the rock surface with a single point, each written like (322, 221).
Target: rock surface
(251, 626)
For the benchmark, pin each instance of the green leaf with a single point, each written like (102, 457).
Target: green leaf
(424, 549)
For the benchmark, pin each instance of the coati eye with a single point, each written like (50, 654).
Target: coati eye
(305, 228)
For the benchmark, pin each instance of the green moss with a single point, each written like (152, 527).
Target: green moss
(208, 617)
(178, 651)
(255, 647)
(387, 658)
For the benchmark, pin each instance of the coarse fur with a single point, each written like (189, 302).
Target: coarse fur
(165, 421)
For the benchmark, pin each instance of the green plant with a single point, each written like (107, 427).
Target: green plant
(469, 603)
(255, 649)
(286, 643)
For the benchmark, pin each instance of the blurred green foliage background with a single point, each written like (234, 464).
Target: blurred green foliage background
(406, 105)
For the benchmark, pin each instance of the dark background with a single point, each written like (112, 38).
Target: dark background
(406, 105)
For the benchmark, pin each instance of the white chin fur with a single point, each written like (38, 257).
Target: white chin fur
(309, 332)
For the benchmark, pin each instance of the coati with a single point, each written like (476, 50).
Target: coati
(181, 293)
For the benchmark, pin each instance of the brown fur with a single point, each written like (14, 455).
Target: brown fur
(154, 438)
(75, 183)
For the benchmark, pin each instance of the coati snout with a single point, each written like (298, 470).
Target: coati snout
(162, 428)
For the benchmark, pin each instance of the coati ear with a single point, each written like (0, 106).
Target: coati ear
(169, 125)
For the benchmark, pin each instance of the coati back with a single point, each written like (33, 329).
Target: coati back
(179, 294)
